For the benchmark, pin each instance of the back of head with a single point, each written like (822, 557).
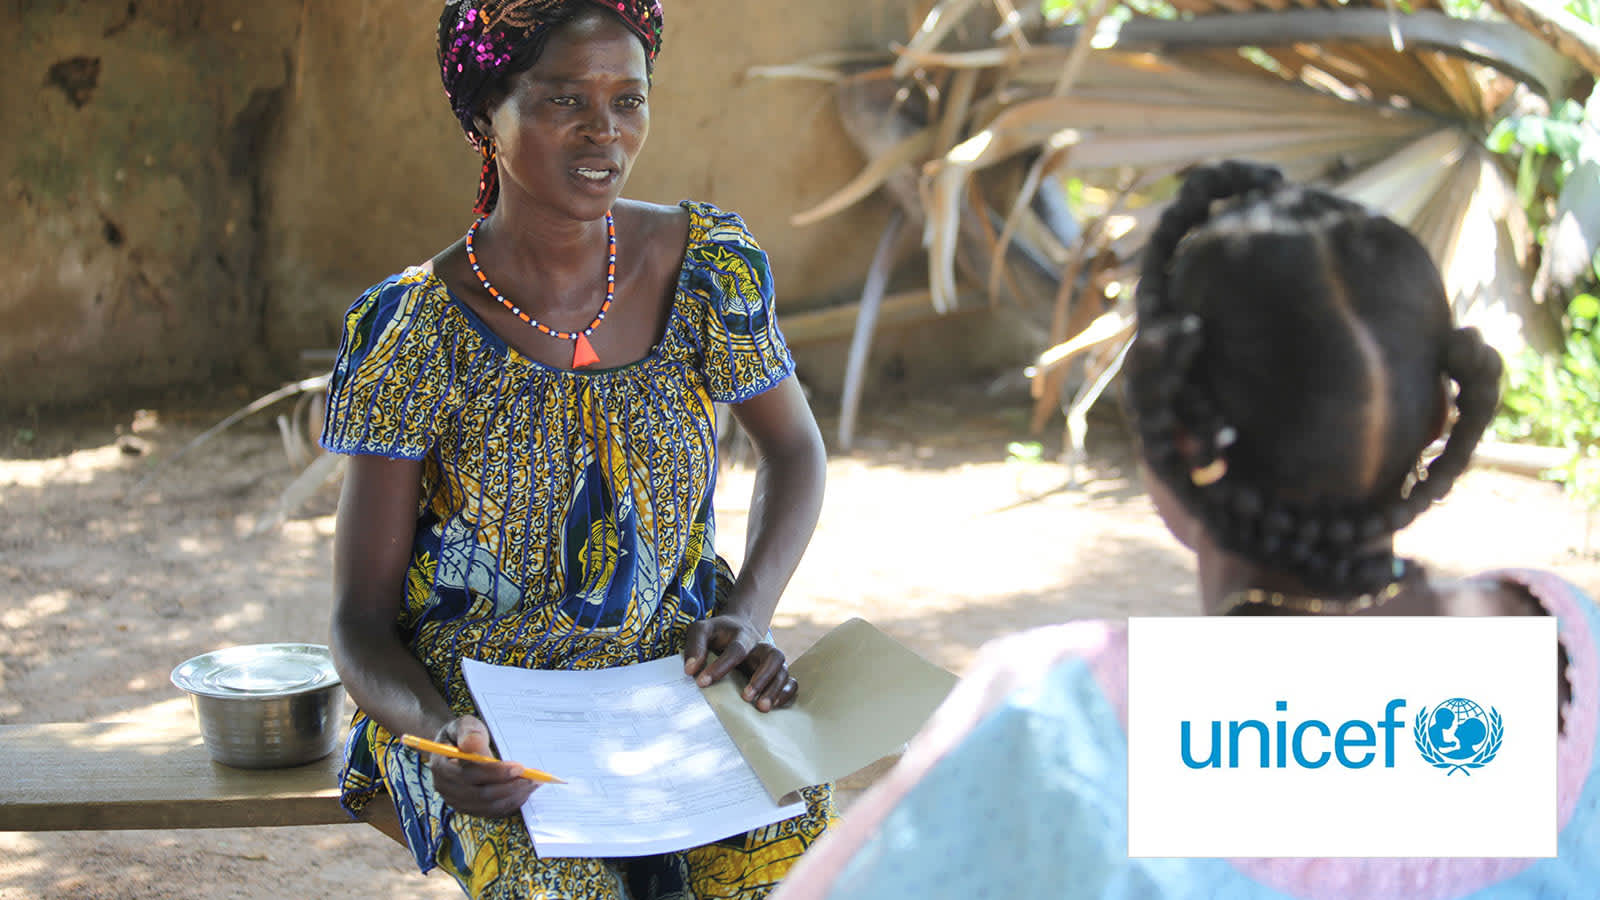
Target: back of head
(1292, 365)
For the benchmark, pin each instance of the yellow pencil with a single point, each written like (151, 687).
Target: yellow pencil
(427, 746)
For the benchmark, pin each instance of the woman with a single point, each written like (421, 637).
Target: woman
(531, 428)
(1292, 365)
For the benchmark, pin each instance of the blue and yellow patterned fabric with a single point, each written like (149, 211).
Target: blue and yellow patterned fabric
(565, 523)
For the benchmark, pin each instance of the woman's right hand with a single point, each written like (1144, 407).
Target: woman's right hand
(479, 789)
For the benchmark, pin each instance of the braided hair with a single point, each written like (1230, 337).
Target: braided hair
(1290, 369)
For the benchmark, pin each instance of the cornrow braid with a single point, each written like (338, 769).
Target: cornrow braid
(1330, 544)
(1333, 558)
(1475, 367)
(1169, 341)
(1160, 363)
(1204, 186)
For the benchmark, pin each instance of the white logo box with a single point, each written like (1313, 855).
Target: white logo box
(1500, 800)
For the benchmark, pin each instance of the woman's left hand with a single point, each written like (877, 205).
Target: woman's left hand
(740, 645)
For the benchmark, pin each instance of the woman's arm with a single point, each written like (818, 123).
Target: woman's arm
(372, 551)
(790, 473)
(791, 469)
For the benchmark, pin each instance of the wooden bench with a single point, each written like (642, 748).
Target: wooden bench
(122, 775)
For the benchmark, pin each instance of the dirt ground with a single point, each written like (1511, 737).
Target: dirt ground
(929, 531)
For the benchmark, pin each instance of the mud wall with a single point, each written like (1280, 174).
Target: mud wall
(201, 187)
(373, 175)
(132, 179)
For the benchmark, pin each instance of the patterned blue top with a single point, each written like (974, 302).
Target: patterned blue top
(566, 516)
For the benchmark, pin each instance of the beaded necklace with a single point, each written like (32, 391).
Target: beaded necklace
(1310, 605)
(582, 351)
(1405, 574)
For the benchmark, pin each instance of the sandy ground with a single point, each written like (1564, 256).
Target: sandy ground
(928, 531)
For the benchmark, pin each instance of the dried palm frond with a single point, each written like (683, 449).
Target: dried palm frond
(972, 132)
(1570, 36)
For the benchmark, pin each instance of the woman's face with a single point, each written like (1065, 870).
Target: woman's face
(569, 128)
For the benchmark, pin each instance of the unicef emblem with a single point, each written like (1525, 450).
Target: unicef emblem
(1457, 735)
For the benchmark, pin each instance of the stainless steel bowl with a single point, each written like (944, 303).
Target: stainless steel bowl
(264, 706)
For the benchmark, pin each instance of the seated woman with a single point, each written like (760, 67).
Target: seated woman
(530, 422)
(1292, 359)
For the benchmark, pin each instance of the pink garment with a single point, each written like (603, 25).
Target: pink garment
(1438, 879)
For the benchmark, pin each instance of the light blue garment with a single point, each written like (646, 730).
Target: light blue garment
(1033, 804)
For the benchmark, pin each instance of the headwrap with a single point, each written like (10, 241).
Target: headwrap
(480, 40)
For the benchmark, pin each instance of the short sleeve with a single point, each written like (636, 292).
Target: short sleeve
(727, 276)
(390, 376)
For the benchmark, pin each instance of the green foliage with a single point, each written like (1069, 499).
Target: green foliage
(1551, 401)
(1587, 10)
(1024, 452)
(1069, 12)
(1156, 9)
(1075, 194)
(1556, 401)
(1261, 58)
(1546, 149)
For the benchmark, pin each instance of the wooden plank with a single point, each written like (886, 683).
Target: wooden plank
(120, 775)
(831, 323)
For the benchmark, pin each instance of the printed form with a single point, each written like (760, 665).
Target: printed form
(648, 766)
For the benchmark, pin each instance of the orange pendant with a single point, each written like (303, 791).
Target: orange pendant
(583, 353)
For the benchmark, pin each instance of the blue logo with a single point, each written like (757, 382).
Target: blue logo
(1311, 744)
(1457, 735)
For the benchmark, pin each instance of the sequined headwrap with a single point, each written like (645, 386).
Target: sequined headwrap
(481, 40)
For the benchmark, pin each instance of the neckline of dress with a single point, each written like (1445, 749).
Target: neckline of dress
(697, 232)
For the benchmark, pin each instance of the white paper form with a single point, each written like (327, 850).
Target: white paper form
(649, 768)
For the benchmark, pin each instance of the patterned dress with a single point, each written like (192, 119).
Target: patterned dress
(565, 523)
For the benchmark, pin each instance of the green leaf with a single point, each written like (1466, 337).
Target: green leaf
(1527, 179)
(1584, 306)
(1531, 134)
(1563, 139)
(1025, 451)
(1503, 138)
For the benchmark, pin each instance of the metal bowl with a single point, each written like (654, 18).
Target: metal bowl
(265, 706)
